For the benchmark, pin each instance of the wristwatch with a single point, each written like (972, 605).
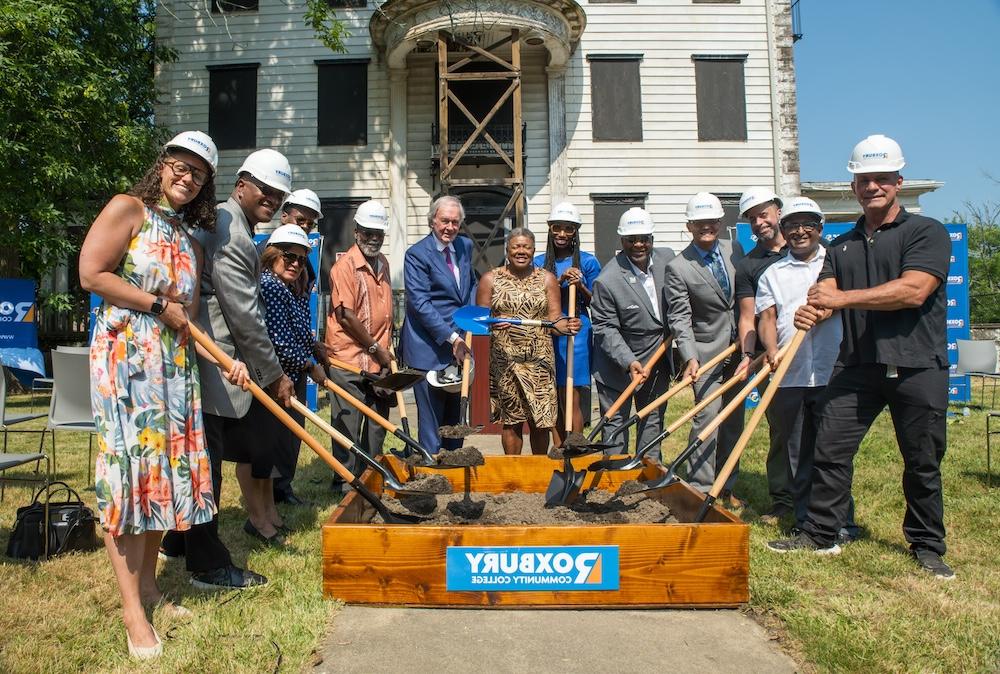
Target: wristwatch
(158, 306)
(748, 354)
(373, 348)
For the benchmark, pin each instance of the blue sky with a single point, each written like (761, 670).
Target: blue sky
(924, 72)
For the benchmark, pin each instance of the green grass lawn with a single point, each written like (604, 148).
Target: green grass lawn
(870, 609)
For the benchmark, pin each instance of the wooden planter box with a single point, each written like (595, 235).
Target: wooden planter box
(658, 565)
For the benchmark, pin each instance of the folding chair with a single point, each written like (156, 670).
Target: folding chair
(70, 408)
(978, 358)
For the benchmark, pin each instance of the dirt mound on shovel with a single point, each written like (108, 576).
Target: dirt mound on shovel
(461, 457)
(518, 508)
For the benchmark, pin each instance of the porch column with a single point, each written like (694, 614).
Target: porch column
(397, 174)
(558, 171)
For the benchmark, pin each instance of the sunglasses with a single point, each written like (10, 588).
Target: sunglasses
(638, 238)
(291, 258)
(267, 190)
(181, 169)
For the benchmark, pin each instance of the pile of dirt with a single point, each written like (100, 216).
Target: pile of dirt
(519, 508)
(458, 431)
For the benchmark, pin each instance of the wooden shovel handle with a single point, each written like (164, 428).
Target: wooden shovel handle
(226, 363)
(569, 362)
(466, 366)
(630, 389)
(399, 394)
(337, 436)
(707, 400)
(344, 366)
(787, 354)
(360, 406)
(679, 386)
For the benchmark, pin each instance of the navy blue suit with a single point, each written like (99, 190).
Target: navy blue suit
(432, 297)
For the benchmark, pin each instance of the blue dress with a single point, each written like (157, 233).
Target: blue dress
(583, 341)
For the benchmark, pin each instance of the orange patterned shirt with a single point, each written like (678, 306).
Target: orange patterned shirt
(356, 286)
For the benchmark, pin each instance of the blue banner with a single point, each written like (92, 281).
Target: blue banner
(532, 568)
(19, 327)
(957, 291)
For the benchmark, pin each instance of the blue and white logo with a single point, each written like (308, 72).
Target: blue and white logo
(532, 568)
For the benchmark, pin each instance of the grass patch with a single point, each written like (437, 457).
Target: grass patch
(870, 609)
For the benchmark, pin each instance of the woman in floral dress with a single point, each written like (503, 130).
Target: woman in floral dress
(152, 472)
(522, 359)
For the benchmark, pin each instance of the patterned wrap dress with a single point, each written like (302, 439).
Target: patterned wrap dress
(522, 360)
(152, 472)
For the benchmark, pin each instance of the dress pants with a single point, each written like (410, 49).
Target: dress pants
(646, 429)
(711, 456)
(201, 546)
(436, 408)
(287, 458)
(855, 396)
(347, 419)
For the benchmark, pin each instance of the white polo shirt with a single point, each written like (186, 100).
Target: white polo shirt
(785, 285)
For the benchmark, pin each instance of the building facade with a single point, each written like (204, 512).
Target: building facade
(616, 104)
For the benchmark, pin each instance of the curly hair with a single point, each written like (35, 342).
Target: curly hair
(199, 212)
(549, 263)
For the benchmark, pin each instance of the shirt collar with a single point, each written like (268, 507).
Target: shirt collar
(639, 272)
(707, 254)
(901, 217)
(441, 246)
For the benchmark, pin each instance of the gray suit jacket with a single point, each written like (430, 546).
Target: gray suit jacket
(700, 316)
(625, 328)
(232, 311)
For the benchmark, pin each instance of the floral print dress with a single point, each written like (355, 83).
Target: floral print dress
(152, 473)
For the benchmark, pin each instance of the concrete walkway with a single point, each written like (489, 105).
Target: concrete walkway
(460, 641)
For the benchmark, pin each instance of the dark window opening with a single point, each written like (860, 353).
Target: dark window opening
(342, 89)
(731, 207)
(223, 6)
(232, 106)
(615, 97)
(721, 94)
(337, 228)
(608, 208)
(347, 4)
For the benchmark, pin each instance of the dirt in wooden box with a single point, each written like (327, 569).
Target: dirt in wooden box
(519, 508)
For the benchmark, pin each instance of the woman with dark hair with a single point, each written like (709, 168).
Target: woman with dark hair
(522, 367)
(152, 473)
(265, 442)
(571, 266)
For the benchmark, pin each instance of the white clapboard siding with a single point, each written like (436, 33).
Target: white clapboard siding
(670, 163)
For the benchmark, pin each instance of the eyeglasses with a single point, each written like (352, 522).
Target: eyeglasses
(291, 258)
(267, 190)
(637, 238)
(804, 226)
(181, 169)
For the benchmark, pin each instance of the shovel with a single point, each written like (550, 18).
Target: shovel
(629, 390)
(565, 484)
(400, 403)
(428, 459)
(674, 390)
(632, 462)
(226, 363)
(397, 380)
(420, 487)
(736, 403)
(765, 400)
(462, 429)
(477, 320)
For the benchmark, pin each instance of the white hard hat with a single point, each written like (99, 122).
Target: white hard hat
(755, 196)
(449, 379)
(198, 143)
(802, 205)
(270, 167)
(289, 234)
(704, 206)
(565, 212)
(305, 198)
(635, 221)
(372, 215)
(876, 154)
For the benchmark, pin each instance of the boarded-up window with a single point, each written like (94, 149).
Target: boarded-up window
(731, 207)
(342, 88)
(223, 6)
(608, 208)
(615, 97)
(612, 2)
(347, 4)
(232, 106)
(722, 105)
(337, 228)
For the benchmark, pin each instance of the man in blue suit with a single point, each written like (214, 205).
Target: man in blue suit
(439, 279)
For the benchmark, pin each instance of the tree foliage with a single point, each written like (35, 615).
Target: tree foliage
(328, 29)
(76, 118)
(984, 260)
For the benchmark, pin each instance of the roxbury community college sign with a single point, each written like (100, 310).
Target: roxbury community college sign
(533, 568)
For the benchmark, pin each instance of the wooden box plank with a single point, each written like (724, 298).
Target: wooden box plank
(682, 564)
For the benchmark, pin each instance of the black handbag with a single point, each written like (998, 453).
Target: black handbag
(71, 525)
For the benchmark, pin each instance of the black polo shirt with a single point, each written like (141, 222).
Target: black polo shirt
(904, 337)
(753, 265)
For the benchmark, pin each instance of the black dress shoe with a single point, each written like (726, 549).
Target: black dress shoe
(292, 499)
(227, 578)
(277, 540)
